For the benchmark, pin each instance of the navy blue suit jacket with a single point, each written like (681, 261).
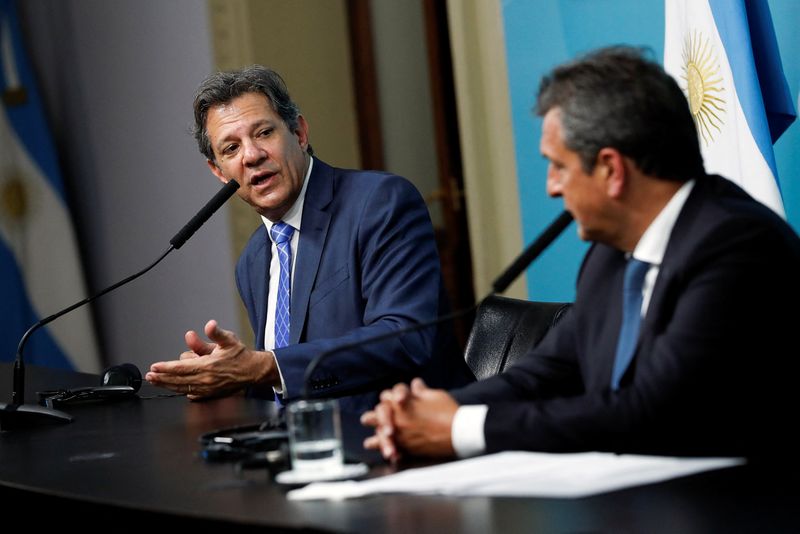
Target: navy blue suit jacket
(717, 356)
(366, 264)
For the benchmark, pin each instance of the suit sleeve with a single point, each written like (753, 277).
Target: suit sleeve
(398, 285)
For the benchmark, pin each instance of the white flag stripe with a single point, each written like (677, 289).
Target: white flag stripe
(729, 148)
(744, 163)
(44, 245)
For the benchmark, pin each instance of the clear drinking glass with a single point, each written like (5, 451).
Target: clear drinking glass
(315, 436)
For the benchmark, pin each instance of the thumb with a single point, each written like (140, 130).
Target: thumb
(197, 345)
(220, 336)
(418, 387)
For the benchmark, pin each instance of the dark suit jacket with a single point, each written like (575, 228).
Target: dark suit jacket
(717, 356)
(366, 264)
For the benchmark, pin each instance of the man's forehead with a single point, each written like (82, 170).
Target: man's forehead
(251, 102)
(552, 119)
(241, 111)
(551, 127)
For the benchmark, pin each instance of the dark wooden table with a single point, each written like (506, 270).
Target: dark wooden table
(136, 464)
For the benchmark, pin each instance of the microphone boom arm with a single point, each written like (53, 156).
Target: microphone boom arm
(532, 252)
(17, 407)
(18, 393)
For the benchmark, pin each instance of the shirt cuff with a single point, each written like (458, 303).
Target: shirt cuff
(467, 430)
(278, 391)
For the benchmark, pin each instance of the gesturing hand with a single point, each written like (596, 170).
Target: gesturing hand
(212, 368)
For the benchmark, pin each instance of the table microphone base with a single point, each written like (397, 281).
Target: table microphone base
(24, 415)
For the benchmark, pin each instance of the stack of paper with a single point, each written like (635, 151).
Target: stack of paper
(522, 474)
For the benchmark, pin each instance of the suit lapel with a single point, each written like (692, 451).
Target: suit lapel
(313, 232)
(675, 258)
(604, 340)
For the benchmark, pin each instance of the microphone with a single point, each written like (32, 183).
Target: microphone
(225, 192)
(553, 230)
(18, 412)
(532, 252)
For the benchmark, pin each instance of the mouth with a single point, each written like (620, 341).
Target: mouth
(261, 179)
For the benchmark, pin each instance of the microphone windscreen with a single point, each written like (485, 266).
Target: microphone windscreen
(205, 212)
(532, 252)
(125, 374)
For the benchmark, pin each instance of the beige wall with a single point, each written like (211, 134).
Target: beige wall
(404, 93)
(306, 41)
(487, 142)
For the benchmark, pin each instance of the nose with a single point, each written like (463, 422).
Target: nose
(554, 187)
(253, 153)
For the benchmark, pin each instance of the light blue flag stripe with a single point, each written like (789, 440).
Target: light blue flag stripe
(28, 120)
(731, 19)
(778, 101)
(18, 316)
(28, 124)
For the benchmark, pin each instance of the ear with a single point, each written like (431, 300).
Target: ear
(216, 171)
(302, 132)
(611, 163)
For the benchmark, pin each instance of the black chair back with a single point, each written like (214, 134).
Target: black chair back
(505, 329)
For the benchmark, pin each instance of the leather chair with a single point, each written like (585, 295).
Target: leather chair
(505, 329)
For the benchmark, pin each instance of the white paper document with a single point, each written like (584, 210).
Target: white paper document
(522, 474)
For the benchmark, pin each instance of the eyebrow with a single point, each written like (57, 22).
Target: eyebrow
(257, 124)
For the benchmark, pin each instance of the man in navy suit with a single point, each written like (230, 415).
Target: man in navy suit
(715, 362)
(359, 261)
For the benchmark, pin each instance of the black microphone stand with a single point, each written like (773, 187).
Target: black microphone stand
(18, 413)
(549, 235)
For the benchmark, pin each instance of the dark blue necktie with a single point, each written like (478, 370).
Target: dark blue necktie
(635, 272)
(282, 235)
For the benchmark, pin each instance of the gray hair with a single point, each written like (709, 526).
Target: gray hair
(615, 97)
(223, 87)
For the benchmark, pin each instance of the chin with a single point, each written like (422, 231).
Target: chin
(265, 208)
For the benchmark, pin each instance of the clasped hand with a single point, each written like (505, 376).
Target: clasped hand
(213, 368)
(414, 420)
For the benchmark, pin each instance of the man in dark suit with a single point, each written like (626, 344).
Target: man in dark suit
(712, 369)
(341, 256)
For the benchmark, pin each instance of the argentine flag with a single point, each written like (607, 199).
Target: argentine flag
(724, 55)
(39, 264)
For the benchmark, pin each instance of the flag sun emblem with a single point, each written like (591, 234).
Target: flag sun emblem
(13, 200)
(704, 88)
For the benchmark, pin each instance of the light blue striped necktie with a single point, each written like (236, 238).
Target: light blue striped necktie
(635, 272)
(282, 235)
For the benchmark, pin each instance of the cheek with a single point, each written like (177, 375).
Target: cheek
(228, 168)
(243, 192)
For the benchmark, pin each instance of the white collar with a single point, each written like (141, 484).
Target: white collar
(653, 243)
(294, 216)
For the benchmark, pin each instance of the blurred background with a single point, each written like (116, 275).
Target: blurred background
(437, 91)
